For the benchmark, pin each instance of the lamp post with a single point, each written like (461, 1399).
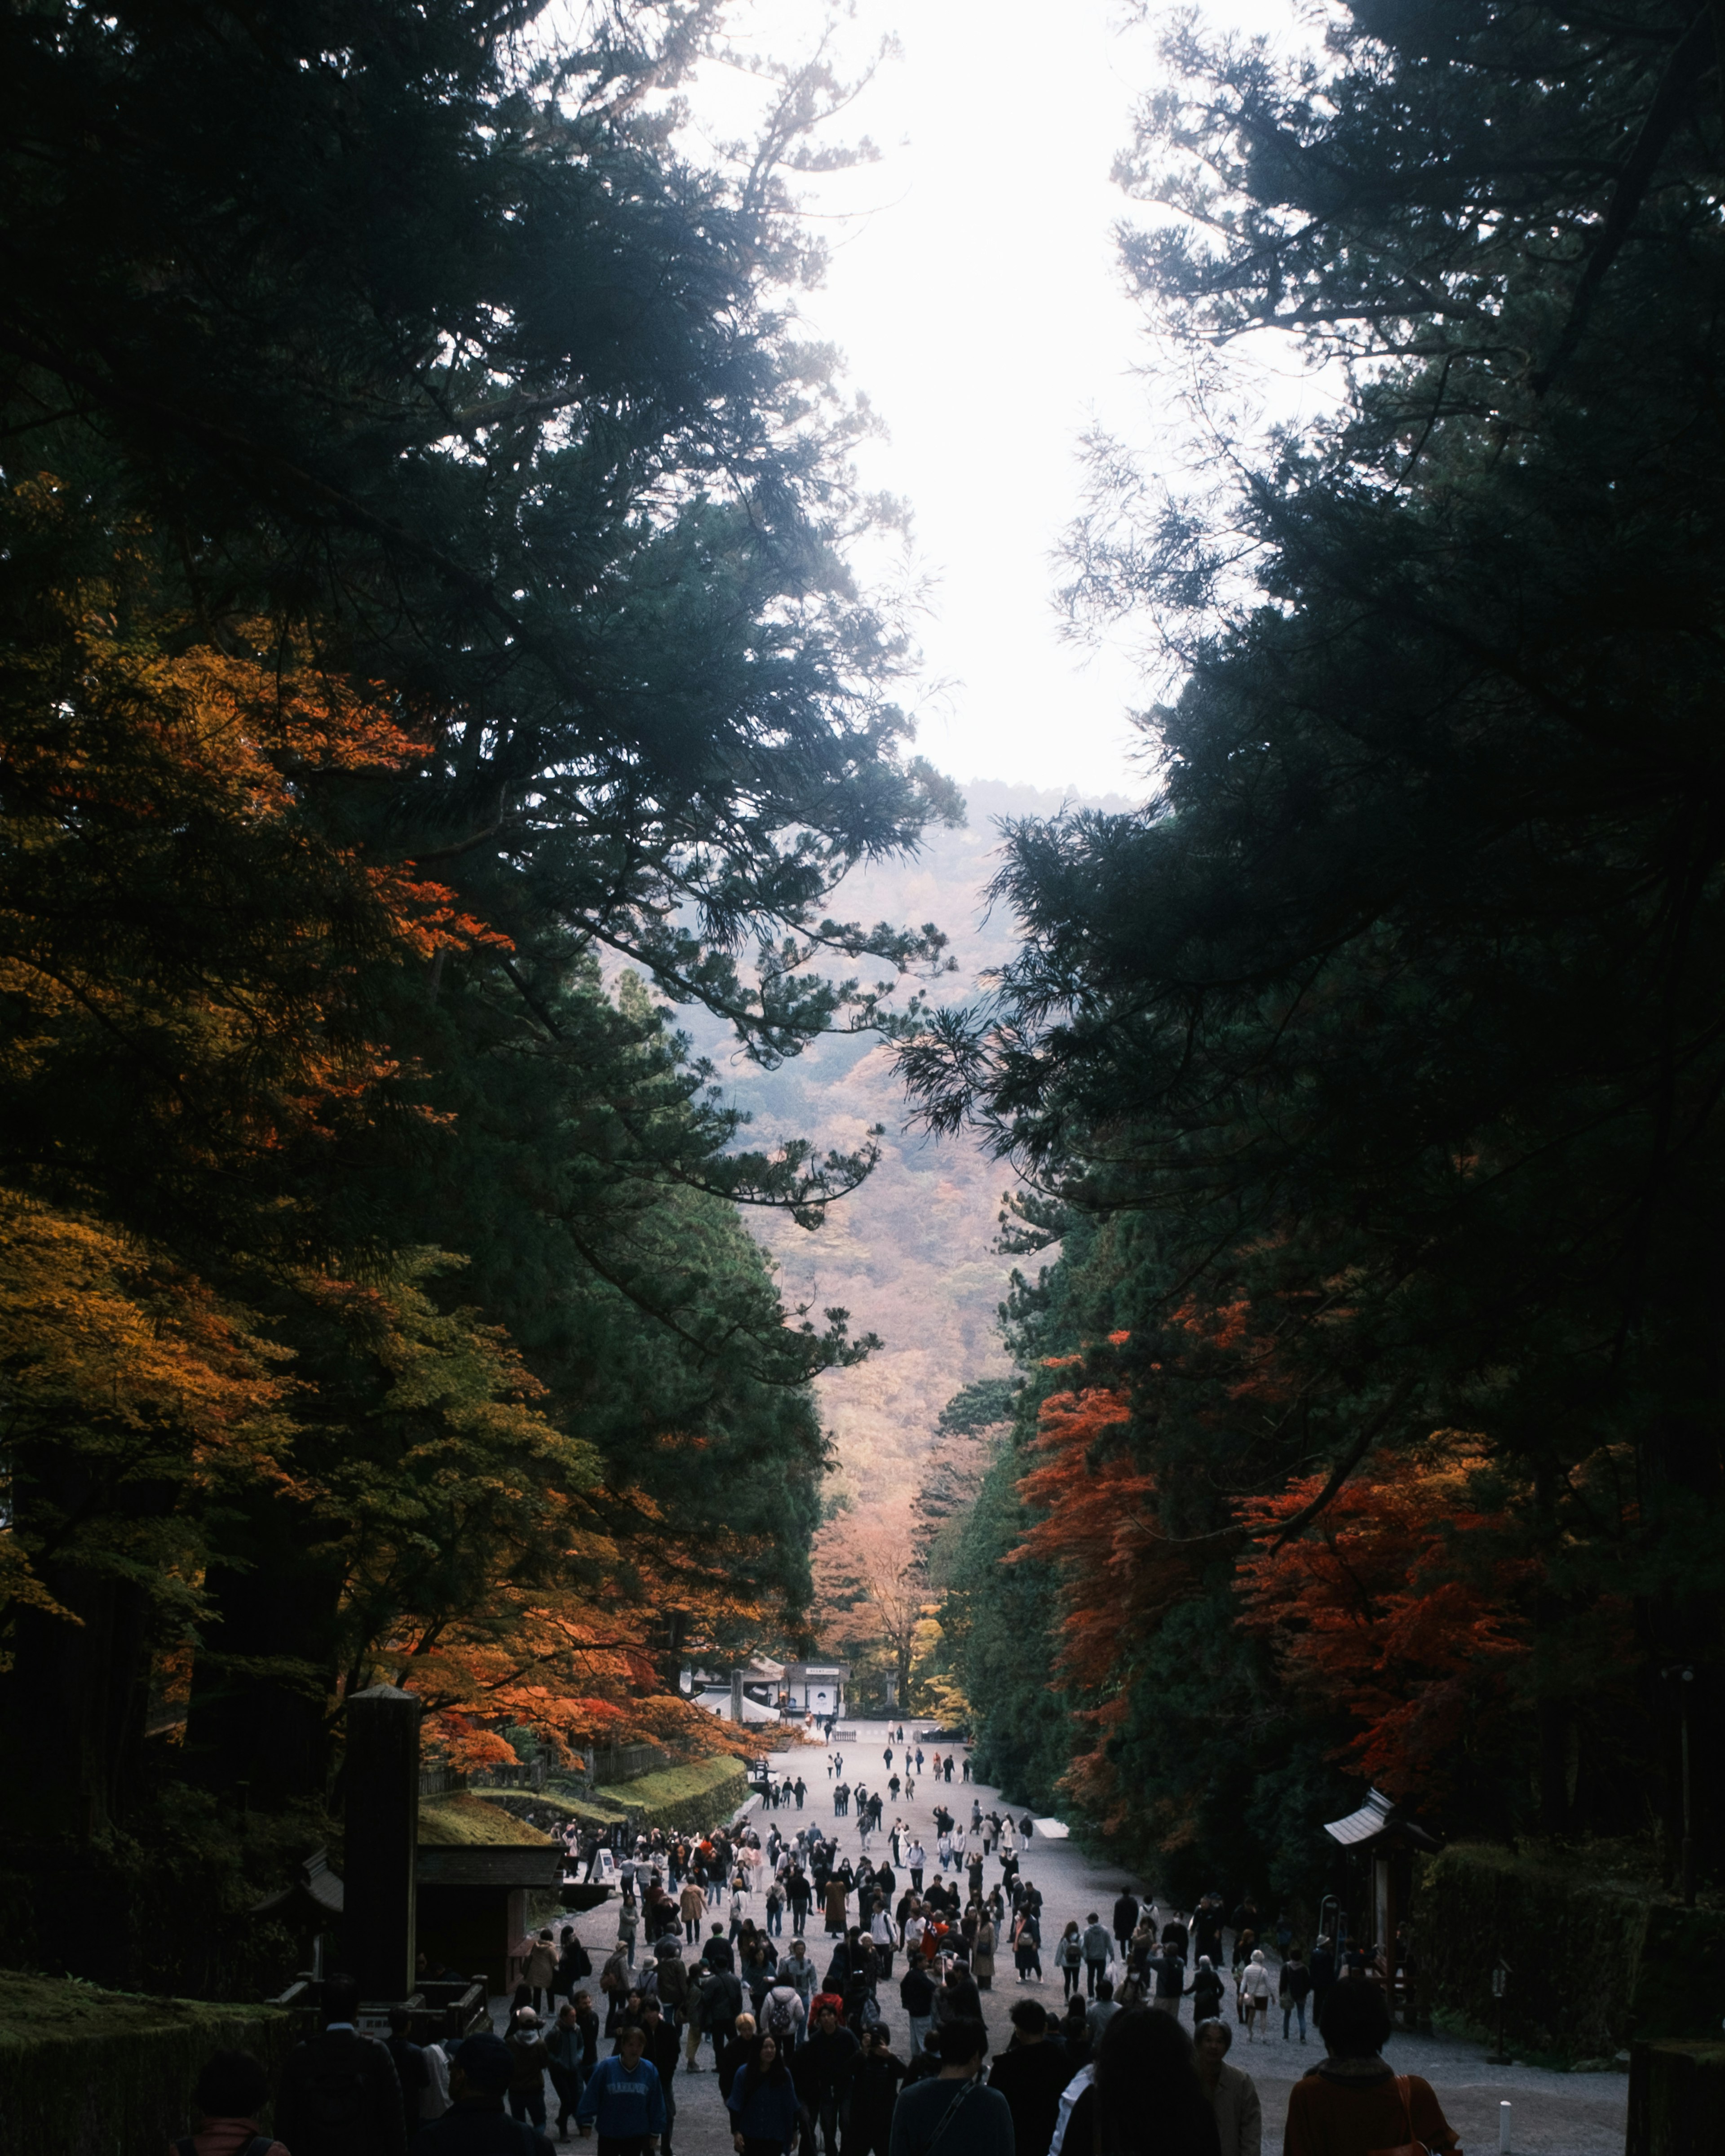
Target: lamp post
(1500, 1987)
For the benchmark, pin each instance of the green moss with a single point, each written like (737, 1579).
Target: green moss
(87, 2072)
(463, 1820)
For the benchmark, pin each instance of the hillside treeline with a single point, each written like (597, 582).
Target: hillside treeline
(1373, 1073)
(426, 646)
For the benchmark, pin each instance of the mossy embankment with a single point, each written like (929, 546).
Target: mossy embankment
(87, 2072)
(678, 1799)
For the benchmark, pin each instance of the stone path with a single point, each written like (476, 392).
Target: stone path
(1553, 2114)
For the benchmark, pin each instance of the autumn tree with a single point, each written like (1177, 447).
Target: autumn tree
(428, 655)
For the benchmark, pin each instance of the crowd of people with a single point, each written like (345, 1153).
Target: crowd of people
(838, 1999)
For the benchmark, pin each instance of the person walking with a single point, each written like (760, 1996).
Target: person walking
(982, 1955)
(1031, 2073)
(874, 2093)
(411, 2070)
(539, 1969)
(1352, 2102)
(661, 2051)
(1207, 1989)
(1098, 1948)
(1126, 1919)
(479, 2069)
(624, 2099)
(784, 2014)
(1323, 1977)
(824, 2066)
(1069, 1958)
(954, 2106)
(1254, 1988)
(762, 2103)
(1293, 1987)
(915, 1995)
(528, 2059)
(1167, 1974)
(691, 1907)
(1144, 2091)
(339, 2094)
(565, 2054)
(917, 1857)
(1233, 2094)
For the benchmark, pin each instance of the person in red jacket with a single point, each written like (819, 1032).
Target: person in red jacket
(1352, 2102)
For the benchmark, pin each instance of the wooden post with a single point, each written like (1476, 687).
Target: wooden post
(1676, 2099)
(382, 1834)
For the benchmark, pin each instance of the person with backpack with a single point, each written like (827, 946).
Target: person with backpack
(784, 2016)
(529, 2059)
(229, 2093)
(474, 2124)
(340, 2096)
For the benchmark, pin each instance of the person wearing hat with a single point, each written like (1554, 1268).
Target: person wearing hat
(480, 2071)
(526, 2082)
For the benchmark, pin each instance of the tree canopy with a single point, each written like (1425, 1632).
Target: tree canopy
(427, 654)
(1386, 1038)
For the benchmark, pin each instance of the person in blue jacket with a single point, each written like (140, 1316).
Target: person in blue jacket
(624, 2097)
(763, 2104)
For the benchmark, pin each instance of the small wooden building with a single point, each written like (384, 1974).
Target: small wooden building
(472, 1904)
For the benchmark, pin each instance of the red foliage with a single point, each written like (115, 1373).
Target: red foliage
(1397, 1606)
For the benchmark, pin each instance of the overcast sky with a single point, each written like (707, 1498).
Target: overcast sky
(975, 290)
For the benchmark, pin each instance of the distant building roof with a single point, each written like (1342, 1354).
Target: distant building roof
(1378, 1820)
(314, 1893)
(719, 1703)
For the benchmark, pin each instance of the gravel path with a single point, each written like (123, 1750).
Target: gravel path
(1564, 2114)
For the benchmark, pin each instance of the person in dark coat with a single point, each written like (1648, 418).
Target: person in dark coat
(824, 2065)
(1126, 1920)
(738, 2051)
(340, 2095)
(1323, 1966)
(1031, 2073)
(474, 2124)
(762, 2103)
(874, 2090)
(411, 2070)
(1144, 2072)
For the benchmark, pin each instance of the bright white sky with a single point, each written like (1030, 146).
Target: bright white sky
(975, 290)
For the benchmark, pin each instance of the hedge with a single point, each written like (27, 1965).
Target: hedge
(1594, 1959)
(87, 2072)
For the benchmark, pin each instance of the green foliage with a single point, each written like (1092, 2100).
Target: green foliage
(427, 654)
(1654, 1969)
(1387, 1039)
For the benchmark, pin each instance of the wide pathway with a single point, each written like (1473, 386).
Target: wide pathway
(1564, 2114)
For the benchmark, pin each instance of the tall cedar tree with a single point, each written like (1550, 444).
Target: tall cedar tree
(1395, 1017)
(425, 587)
